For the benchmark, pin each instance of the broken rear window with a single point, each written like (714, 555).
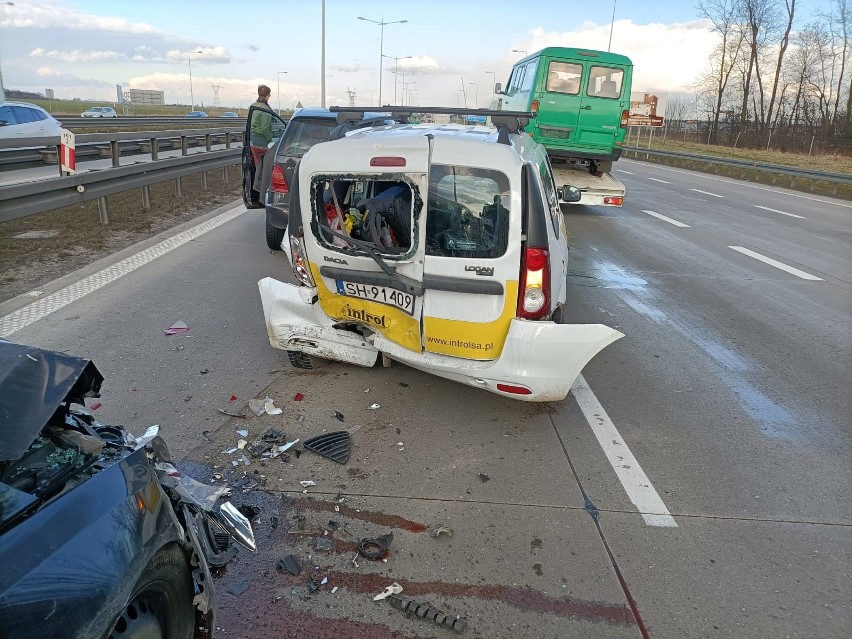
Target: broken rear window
(380, 211)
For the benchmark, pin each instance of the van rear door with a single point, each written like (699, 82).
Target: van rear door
(600, 111)
(473, 249)
(559, 103)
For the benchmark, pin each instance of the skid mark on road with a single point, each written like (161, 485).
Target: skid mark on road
(31, 313)
(636, 484)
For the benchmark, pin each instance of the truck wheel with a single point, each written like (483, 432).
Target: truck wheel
(161, 605)
(274, 237)
(305, 361)
(599, 167)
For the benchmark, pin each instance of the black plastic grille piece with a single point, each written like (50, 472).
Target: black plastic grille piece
(334, 446)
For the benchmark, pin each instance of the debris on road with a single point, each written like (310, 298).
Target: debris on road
(273, 436)
(289, 564)
(230, 414)
(95, 405)
(441, 530)
(483, 477)
(307, 482)
(339, 415)
(204, 371)
(334, 446)
(374, 407)
(238, 588)
(422, 611)
(324, 544)
(257, 406)
(334, 590)
(393, 589)
(241, 444)
(242, 432)
(313, 586)
(299, 397)
(258, 448)
(270, 407)
(233, 398)
(177, 327)
(376, 548)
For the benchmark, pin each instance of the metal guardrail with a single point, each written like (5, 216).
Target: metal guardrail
(71, 122)
(29, 198)
(747, 165)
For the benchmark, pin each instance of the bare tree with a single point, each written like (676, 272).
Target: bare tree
(759, 18)
(723, 14)
(785, 41)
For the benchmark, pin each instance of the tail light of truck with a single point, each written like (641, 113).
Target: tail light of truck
(534, 297)
(301, 266)
(625, 115)
(614, 201)
(534, 106)
(279, 182)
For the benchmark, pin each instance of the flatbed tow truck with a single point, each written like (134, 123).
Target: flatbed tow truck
(603, 190)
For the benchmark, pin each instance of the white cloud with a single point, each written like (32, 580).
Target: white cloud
(424, 65)
(666, 57)
(215, 55)
(46, 72)
(77, 55)
(49, 15)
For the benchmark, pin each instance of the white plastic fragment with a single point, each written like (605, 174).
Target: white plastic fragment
(334, 590)
(231, 451)
(393, 589)
(270, 408)
(324, 581)
(257, 406)
(307, 482)
(150, 434)
(374, 407)
(241, 444)
(242, 433)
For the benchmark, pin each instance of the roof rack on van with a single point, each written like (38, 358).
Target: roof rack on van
(506, 122)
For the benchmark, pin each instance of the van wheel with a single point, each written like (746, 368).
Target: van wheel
(274, 237)
(598, 168)
(305, 361)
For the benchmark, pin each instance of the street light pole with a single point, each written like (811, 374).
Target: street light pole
(381, 24)
(476, 94)
(611, 25)
(279, 91)
(396, 60)
(493, 83)
(191, 96)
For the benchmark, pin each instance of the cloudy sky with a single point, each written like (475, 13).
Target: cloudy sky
(83, 48)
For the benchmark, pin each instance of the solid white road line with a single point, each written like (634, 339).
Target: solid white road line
(659, 180)
(776, 264)
(30, 313)
(706, 192)
(766, 208)
(623, 171)
(636, 483)
(666, 219)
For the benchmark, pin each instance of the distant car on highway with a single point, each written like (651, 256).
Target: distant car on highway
(99, 112)
(197, 114)
(22, 120)
(230, 114)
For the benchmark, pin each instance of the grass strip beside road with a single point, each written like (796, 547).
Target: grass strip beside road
(61, 241)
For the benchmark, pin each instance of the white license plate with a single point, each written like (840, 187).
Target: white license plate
(381, 294)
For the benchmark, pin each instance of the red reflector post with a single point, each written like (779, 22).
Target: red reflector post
(516, 390)
(387, 161)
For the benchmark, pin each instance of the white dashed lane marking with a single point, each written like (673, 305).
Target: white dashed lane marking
(623, 171)
(706, 192)
(30, 313)
(659, 180)
(784, 267)
(659, 216)
(766, 208)
(636, 484)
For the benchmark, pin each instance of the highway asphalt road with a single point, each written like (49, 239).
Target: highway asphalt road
(695, 483)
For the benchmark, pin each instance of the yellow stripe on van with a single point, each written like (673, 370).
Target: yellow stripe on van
(393, 323)
(471, 340)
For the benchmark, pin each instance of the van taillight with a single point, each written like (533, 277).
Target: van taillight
(625, 115)
(534, 106)
(279, 182)
(534, 293)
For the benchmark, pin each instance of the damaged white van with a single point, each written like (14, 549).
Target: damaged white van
(440, 246)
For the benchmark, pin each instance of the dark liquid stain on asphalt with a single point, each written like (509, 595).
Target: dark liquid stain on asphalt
(380, 519)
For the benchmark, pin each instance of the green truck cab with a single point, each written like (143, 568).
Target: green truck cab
(581, 98)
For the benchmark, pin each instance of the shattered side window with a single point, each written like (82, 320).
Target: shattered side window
(467, 213)
(374, 210)
(302, 135)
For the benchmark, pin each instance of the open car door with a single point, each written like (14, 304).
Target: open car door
(264, 128)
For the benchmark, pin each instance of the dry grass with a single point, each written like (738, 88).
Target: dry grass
(830, 163)
(79, 238)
